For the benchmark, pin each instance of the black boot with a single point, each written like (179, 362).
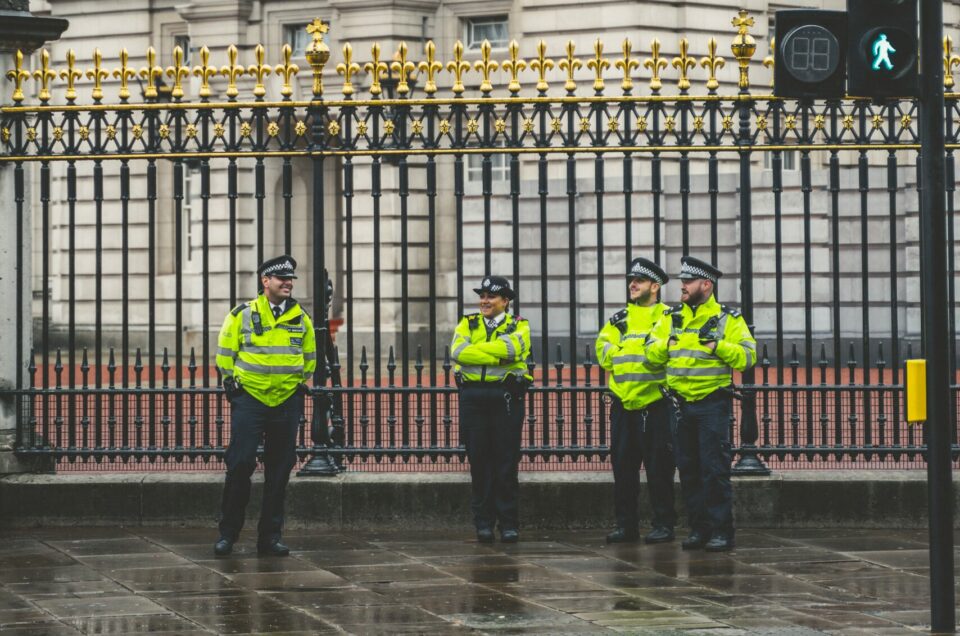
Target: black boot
(622, 535)
(660, 534)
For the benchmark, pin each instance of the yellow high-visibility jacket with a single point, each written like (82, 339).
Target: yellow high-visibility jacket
(270, 360)
(693, 371)
(480, 357)
(633, 378)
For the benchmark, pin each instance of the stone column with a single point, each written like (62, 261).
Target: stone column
(19, 30)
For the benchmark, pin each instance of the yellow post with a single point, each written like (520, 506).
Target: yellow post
(916, 391)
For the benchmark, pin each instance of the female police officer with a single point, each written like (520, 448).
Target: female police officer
(490, 349)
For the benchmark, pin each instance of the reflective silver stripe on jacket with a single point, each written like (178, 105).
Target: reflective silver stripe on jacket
(492, 372)
(268, 369)
(639, 377)
(229, 353)
(750, 353)
(630, 357)
(606, 348)
(699, 371)
(271, 350)
(310, 355)
(692, 353)
(511, 348)
(634, 336)
(456, 352)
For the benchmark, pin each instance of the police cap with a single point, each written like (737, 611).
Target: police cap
(692, 268)
(496, 285)
(281, 267)
(645, 268)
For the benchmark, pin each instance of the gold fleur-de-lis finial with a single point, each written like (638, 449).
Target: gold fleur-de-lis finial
(626, 65)
(347, 68)
(376, 68)
(71, 75)
(287, 70)
(743, 46)
(514, 65)
(598, 64)
(431, 67)
(232, 71)
(124, 74)
(458, 67)
(655, 64)
(178, 72)
(402, 67)
(570, 64)
(541, 65)
(317, 53)
(204, 72)
(486, 66)
(712, 62)
(97, 74)
(151, 72)
(259, 70)
(43, 75)
(683, 63)
(18, 75)
(950, 60)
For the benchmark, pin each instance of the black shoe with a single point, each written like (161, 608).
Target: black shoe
(485, 535)
(694, 541)
(622, 535)
(272, 547)
(720, 543)
(660, 534)
(509, 536)
(223, 547)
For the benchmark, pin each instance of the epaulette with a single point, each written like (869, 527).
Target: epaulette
(473, 320)
(733, 311)
(673, 310)
(519, 319)
(236, 310)
(620, 316)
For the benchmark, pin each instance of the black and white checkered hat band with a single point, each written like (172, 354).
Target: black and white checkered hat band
(691, 271)
(640, 270)
(284, 266)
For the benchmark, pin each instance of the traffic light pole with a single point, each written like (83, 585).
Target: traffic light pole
(933, 264)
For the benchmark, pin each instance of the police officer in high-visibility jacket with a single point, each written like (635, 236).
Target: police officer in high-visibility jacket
(266, 352)
(490, 349)
(640, 417)
(702, 342)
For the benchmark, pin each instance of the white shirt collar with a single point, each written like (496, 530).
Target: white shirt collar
(498, 318)
(281, 305)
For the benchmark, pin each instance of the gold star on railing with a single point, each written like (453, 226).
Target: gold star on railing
(727, 122)
(417, 127)
(877, 121)
(84, 133)
(528, 125)
(500, 125)
(555, 124)
(613, 125)
(761, 122)
(819, 121)
(584, 125)
(31, 134)
(361, 128)
(389, 126)
(791, 122)
(905, 121)
(111, 132)
(245, 129)
(137, 131)
(191, 131)
(848, 122)
(669, 123)
(164, 131)
(273, 129)
(5, 134)
(642, 124)
(300, 128)
(218, 130)
(57, 133)
(472, 126)
(444, 126)
(698, 123)
(333, 128)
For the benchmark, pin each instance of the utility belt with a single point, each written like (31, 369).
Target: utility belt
(513, 387)
(723, 393)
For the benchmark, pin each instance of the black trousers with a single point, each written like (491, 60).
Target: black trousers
(491, 436)
(642, 438)
(703, 459)
(251, 422)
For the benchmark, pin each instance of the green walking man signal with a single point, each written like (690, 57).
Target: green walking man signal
(881, 52)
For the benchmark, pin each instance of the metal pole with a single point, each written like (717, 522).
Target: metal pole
(933, 264)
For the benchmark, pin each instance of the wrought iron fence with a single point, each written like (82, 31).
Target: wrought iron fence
(151, 216)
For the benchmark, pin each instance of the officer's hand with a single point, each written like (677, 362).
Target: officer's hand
(304, 390)
(710, 344)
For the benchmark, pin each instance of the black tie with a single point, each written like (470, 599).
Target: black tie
(277, 310)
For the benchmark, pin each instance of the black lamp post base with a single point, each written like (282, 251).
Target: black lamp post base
(321, 465)
(750, 464)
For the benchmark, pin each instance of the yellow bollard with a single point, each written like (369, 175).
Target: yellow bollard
(916, 391)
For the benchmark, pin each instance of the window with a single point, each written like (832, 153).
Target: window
(183, 41)
(499, 166)
(789, 160)
(191, 204)
(493, 28)
(297, 37)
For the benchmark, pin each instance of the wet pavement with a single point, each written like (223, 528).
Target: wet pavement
(166, 581)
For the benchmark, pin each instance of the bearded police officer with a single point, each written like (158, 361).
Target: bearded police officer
(702, 342)
(266, 352)
(640, 417)
(490, 349)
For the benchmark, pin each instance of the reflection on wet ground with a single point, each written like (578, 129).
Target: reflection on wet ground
(165, 581)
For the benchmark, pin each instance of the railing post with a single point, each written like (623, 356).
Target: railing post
(20, 34)
(743, 48)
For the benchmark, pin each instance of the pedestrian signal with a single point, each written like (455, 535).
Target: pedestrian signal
(882, 48)
(810, 55)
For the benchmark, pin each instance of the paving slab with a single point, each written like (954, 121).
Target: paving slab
(167, 581)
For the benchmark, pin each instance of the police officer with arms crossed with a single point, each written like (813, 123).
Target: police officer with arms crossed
(702, 342)
(490, 349)
(266, 352)
(640, 417)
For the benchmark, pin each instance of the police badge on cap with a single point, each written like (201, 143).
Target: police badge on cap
(281, 267)
(496, 285)
(644, 268)
(692, 268)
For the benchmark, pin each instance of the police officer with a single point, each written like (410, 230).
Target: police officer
(640, 417)
(266, 352)
(702, 342)
(490, 349)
